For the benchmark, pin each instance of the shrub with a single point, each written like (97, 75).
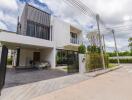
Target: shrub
(9, 61)
(93, 49)
(121, 60)
(94, 61)
(82, 49)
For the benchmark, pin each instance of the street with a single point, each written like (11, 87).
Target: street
(115, 85)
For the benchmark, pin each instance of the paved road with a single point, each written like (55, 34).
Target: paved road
(116, 85)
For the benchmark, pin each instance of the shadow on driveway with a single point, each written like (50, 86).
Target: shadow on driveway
(25, 76)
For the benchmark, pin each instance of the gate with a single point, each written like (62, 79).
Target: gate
(73, 63)
(3, 63)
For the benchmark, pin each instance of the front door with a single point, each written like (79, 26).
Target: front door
(36, 56)
(3, 63)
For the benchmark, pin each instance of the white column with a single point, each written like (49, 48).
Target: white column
(82, 63)
(53, 62)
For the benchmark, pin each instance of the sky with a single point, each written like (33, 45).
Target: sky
(114, 13)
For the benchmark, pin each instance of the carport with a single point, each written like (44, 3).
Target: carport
(25, 48)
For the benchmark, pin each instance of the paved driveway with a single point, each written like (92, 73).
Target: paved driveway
(116, 85)
(20, 77)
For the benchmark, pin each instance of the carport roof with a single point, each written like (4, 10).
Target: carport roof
(14, 40)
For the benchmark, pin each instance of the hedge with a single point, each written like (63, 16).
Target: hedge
(94, 61)
(121, 60)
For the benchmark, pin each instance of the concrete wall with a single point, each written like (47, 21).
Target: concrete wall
(26, 55)
(61, 32)
(24, 40)
(38, 16)
(49, 55)
(23, 21)
(33, 14)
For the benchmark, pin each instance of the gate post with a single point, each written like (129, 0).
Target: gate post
(82, 63)
(3, 63)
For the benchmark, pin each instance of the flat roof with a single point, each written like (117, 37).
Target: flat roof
(38, 9)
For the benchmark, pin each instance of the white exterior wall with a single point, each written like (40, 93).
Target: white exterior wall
(49, 55)
(26, 56)
(61, 32)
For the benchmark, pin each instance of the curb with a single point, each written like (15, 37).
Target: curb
(107, 70)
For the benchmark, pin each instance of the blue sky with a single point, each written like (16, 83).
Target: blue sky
(113, 12)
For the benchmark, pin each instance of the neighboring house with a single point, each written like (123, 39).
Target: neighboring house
(42, 37)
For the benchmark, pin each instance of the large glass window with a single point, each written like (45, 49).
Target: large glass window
(38, 30)
(31, 29)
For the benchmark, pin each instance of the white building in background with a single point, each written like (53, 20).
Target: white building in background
(42, 37)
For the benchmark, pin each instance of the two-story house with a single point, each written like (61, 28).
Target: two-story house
(42, 37)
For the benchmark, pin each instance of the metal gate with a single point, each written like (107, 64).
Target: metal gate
(73, 63)
(3, 63)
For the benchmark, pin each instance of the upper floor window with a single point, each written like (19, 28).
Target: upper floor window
(38, 30)
(73, 35)
(74, 38)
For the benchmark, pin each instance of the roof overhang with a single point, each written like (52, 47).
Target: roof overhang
(15, 40)
(75, 30)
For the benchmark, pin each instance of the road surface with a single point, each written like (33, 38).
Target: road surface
(116, 85)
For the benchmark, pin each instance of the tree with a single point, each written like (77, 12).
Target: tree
(130, 44)
(82, 49)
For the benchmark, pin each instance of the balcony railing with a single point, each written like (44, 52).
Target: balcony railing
(75, 41)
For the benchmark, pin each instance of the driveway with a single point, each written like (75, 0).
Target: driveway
(25, 76)
(116, 85)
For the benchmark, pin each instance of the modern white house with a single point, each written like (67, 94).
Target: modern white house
(41, 37)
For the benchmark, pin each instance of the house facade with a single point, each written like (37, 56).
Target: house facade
(42, 37)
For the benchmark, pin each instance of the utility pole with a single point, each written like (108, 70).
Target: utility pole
(104, 43)
(100, 41)
(116, 47)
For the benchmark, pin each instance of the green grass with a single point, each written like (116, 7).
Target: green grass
(112, 65)
(65, 69)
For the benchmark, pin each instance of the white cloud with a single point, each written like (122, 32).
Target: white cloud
(9, 19)
(8, 4)
(111, 11)
(3, 26)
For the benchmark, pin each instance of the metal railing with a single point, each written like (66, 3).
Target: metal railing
(75, 41)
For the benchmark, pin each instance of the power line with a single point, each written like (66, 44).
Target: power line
(79, 7)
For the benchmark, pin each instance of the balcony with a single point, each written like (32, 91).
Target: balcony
(75, 41)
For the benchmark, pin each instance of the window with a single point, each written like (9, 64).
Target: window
(64, 57)
(30, 29)
(73, 35)
(74, 38)
(38, 30)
